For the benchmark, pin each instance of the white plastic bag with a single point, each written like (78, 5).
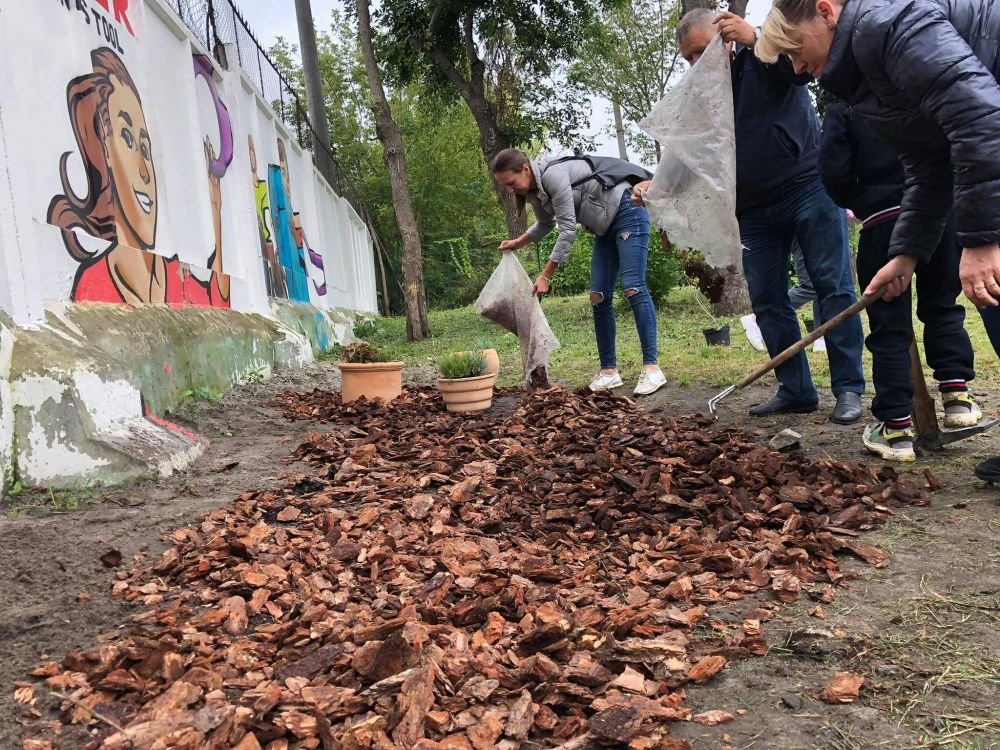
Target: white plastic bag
(507, 300)
(693, 194)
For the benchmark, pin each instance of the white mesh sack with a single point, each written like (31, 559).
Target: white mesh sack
(507, 300)
(693, 193)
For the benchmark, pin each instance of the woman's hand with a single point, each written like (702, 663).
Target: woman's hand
(509, 245)
(541, 286)
(735, 29)
(639, 193)
(894, 276)
(980, 274)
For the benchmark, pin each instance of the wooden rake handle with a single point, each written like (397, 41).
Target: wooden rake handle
(818, 332)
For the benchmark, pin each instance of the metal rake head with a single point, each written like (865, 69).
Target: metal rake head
(714, 401)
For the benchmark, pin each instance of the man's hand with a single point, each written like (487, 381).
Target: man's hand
(508, 245)
(980, 274)
(541, 286)
(735, 29)
(639, 193)
(894, 276)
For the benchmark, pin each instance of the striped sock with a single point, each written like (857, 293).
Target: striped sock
(953, 386)
(899, 424)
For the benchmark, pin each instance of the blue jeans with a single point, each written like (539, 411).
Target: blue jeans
(623, 251)
(802, 211)
(802, 292)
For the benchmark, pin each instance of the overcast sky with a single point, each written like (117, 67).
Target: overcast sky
(270, 19)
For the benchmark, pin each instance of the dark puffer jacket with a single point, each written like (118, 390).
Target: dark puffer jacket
(923, 74)
(859, 170)
(777, 130)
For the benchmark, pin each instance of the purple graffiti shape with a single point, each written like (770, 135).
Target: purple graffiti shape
(203, 67)
(317, 260)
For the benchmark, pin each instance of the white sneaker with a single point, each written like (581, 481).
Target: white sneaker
(606, 382)
(649, 382)
(819, 345)
(754, 336)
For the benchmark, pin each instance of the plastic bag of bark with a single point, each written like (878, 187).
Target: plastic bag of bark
(693, 194)
(507, 301)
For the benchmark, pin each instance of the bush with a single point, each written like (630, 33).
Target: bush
(455, 271)
(662, 269)
(462, 365)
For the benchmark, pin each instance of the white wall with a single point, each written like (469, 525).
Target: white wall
(53, 47)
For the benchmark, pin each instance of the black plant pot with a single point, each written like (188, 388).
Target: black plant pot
(810, 325)
(717, 336)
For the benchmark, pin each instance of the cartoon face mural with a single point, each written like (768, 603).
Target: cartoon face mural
(128, 148)
(121, 204)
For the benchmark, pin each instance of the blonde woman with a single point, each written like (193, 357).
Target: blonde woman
(923, 74)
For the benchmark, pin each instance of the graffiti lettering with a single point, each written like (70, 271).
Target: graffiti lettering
(110, 32)
(80, 5)
(121, 12)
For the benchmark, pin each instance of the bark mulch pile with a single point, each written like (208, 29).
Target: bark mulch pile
(446, 582)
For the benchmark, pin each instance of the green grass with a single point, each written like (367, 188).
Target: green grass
(684, 356)
(23, 501)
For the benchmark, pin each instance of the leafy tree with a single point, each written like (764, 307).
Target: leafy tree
(636, 75)
(506, 59)
(457, 214)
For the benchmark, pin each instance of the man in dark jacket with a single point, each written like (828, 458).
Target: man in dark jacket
(780, 198)
(862, 173)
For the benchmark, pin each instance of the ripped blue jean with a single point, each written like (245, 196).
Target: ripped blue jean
(622, 252)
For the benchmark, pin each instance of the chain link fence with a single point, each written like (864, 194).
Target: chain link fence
(221, 28)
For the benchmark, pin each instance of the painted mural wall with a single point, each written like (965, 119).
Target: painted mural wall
(135, 170)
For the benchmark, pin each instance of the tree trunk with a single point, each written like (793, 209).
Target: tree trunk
(386, 299)
(739, 7)
(417, 326)
(735, 297)
(620, 130)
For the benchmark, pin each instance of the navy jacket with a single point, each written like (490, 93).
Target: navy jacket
(923, 73)
(859, 170)
(777, 130)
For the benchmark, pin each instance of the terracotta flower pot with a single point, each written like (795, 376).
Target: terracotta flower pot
(492, 361)
(468, 394)
(373, 380)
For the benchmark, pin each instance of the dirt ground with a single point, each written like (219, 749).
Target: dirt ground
(925, 631)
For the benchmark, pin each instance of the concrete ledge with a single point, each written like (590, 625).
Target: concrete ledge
(81, 391)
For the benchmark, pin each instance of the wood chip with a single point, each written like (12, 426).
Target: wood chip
(843, 687)
(712, 718)
(706, 669)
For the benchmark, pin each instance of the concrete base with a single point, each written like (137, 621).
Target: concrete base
(79, 392)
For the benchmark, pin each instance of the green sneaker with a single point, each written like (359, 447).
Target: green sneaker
(892, 445)
(960, 410)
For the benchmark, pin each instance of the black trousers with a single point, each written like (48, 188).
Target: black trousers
(991, 321)
(946, 344)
